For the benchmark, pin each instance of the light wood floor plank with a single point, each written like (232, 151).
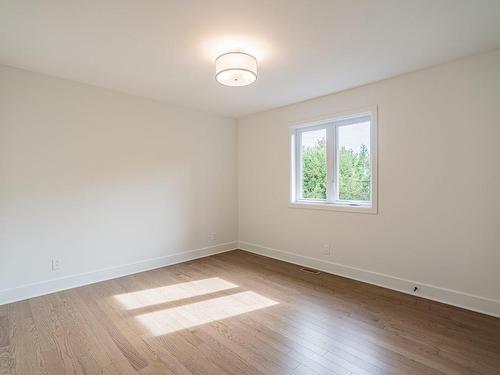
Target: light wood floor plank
(240, 313)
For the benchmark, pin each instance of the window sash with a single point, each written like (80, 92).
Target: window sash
(332, 164)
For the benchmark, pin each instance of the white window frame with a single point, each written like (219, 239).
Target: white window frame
(332, 123)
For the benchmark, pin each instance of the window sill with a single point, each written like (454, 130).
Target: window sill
(334, 207)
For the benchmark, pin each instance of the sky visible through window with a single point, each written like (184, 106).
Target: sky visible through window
(351, 137)
(310, 139)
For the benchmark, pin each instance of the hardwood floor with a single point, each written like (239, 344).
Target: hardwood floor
(240, 313)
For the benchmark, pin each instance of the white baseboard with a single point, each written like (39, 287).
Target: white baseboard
(73, 281)
(452, 297)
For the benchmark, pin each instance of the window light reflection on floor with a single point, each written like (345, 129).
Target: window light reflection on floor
(170, 293)
(194, 314)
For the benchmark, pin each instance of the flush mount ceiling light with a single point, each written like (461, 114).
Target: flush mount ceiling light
(236, 69)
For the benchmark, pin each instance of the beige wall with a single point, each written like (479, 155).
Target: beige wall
(103, 179)
(439, 184)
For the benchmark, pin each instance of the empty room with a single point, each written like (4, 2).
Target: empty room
(298, 187)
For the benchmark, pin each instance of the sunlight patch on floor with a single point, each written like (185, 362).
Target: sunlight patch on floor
(169, 293)
(187, 316)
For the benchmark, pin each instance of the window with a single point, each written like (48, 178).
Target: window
(334, 163)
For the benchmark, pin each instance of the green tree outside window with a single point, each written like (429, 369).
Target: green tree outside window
(354, 172)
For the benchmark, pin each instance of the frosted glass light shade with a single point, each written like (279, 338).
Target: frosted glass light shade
(236, 69)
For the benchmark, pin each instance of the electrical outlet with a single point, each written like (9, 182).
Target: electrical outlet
(56, 264)
(212, 236)
(326, 249)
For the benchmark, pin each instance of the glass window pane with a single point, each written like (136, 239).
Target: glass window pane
(354, 162)
(313, 164)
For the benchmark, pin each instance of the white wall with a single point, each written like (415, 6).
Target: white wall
(439, 186)
(103, 179)
(115, 184)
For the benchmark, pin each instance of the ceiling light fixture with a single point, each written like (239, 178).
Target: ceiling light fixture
(236, 69)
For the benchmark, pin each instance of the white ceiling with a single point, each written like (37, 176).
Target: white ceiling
(306, 48)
